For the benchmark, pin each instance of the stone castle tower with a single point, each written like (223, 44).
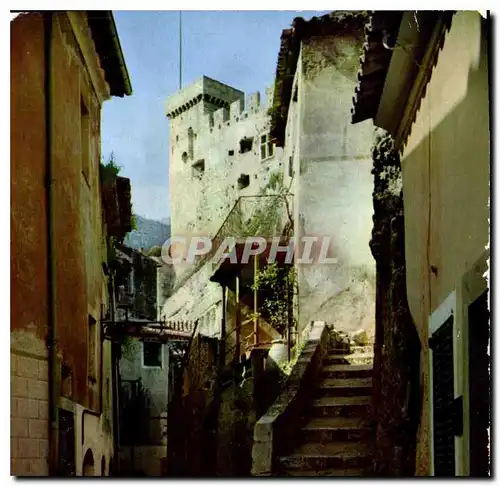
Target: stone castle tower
(219, 150)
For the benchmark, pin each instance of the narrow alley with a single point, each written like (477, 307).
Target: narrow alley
(207, 282)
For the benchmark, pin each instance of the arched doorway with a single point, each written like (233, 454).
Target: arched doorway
(88, 463)
(103, 466)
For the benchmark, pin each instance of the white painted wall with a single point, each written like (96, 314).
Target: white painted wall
(332, 184)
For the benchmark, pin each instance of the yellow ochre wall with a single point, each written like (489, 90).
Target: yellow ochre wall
(446, 170)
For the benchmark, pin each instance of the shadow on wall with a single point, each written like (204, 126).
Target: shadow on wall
(460, 191)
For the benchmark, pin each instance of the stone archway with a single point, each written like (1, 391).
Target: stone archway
(103, 466)
(88, 464)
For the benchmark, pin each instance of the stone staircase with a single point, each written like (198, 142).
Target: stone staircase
(335, 436)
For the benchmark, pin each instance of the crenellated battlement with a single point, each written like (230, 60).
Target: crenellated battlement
(220, 105)
(238, 111)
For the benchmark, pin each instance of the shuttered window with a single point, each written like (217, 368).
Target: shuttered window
(441, 344)
(479, 387)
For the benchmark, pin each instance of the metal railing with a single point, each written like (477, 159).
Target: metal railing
(267, 216)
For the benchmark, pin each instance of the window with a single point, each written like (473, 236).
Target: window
(230, 153)
(290, 167)
(152, 356)
(479, 387)
(190, 143)
(92, 341)
(246, 144)
(266, 147)
(243, 181)
(85, 140)
(446, 414)
(198, 168)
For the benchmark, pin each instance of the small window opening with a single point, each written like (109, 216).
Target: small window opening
(152, 354)
(184, 156)
(290, 167)
(231, 153)
(246, 144)
(198, 168)
(243, 181)
(190, 143)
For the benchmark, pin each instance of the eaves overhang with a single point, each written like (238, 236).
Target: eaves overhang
(103, 28)
(380, 36)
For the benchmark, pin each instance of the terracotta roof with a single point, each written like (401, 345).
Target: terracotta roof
(326, 25)
(381, 29)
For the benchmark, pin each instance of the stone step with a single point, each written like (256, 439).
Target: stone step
(341, 407)
(338, 455)
(346, 371)
(350, 349)
(327, 429)
(361, 349)
(342, 358)
(344, 387)
(353, 472)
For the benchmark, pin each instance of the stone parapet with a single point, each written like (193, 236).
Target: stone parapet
(275, 430)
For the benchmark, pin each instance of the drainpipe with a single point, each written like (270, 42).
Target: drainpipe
(115, 367)
(52, 337)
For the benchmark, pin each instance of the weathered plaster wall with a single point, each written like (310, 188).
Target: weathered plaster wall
(446, 169)
(154, 380)
(151, 450)
(333, 185)
(28, 256)
(78, 236)
(78, 222)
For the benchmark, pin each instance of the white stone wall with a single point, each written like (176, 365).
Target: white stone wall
(29, 407)
(333, 185)
(95, 438)
(198, 298)
(199, 204)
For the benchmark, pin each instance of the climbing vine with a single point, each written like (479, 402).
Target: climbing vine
(277, 286)
(130, 347)
(266, 215)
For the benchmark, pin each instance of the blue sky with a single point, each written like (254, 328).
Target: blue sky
(236, 48)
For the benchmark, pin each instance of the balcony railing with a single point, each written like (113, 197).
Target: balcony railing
(266, 216)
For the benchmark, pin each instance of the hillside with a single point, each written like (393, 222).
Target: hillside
(149, 233)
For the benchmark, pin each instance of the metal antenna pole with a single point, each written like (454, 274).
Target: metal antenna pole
(180, 49)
